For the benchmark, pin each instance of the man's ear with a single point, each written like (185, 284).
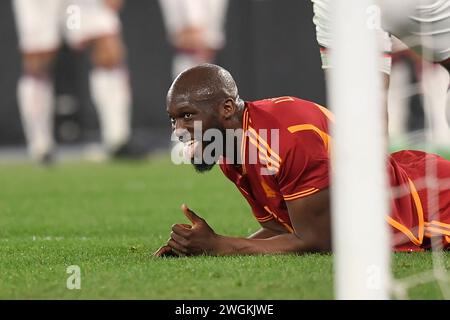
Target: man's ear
(228, 109)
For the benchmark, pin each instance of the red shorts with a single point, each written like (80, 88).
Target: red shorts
(420, 205)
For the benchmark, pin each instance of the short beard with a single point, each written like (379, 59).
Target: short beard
(202, 166)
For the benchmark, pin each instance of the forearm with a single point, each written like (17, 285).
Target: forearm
(283, 243)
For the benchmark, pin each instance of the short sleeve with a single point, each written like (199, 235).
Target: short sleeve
(260, 213)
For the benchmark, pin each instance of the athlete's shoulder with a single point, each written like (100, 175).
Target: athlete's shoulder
(277, 101)
(278, 107)
(286, 111)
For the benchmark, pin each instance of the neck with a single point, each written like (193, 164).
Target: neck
(236, 121)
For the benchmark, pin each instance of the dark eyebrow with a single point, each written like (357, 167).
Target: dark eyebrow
(185, 108)
(180, 110)
(189, 107)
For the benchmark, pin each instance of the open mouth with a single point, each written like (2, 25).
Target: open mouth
(191, 148)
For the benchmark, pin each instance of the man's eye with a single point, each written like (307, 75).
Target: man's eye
(187, 116)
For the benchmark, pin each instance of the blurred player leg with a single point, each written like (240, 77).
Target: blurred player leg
(35, 99)
(196, 30)
(397, 104)
(110, 91)
(184, 59)
(100, 28)
(424, 25)
(322, 20)
(435, 84)
(37, 26)
(404, 96)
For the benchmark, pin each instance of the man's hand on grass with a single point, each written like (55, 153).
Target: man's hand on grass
(196, 239)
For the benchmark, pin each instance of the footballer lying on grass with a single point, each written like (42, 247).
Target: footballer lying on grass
(280, 164)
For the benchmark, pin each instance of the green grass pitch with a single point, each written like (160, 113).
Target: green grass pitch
(109, 218)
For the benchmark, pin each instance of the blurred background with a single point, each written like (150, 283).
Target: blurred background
(269, 46)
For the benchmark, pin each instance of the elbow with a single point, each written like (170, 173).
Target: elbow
(312, 243)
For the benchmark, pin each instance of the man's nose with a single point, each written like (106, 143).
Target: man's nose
(182, 134)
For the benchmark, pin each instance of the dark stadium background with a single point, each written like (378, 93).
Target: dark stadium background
(271, 51)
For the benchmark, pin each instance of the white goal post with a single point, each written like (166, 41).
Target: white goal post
(361, 242)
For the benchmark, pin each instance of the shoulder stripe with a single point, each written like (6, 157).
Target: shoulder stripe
(326, 138)
(263, 143)
(266, 155)
(282, 99)
(263, 153)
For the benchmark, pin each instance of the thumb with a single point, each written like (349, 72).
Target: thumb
(191, 215)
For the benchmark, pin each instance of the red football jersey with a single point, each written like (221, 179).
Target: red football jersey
(285, 155)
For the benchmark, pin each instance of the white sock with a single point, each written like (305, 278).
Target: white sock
(111, 95)
(35, 97)
(397, 103)
(435, 84)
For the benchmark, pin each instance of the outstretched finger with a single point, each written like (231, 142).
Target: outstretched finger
(191, 215)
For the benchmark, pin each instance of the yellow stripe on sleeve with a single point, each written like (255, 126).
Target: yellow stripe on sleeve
(300, 194)
(305, 127)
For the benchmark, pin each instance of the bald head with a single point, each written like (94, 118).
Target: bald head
(205, 95)
(206, 83)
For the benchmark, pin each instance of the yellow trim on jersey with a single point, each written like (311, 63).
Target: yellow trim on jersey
(264, 143)
(243, 190)
(263, 154)
(304, 127)
(300, 194)
(266, 218)
(404, 229)
(269, 160)
(272, 161)
(281, 99)
(243, 141)
(326, 112)
(418, 204)
(286, 225)
(270, 193)
(438, 230)
(419, 208)
(269, 165)
(438, 223)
